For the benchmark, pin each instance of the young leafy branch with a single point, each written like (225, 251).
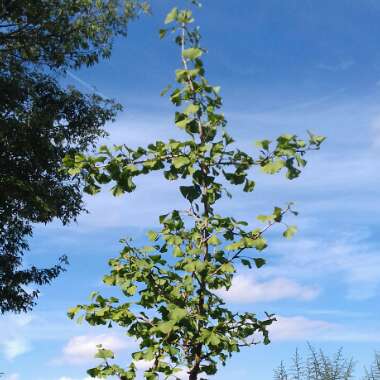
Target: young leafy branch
(172, 308)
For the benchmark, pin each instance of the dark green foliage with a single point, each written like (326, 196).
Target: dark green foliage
(40, 122)
(62, 33)
(316, 366)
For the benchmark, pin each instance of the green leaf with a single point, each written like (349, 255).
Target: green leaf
(163, 33)
(265, 218)
(91, 189)
(249, 186)
(191, 193)
(165, 327)
(192, 53)
(152, 235)
(183, 123)
(227, 268)
(162, 217)
(315, 139)
(213, 240)
(191, 108)
(277, 214)
(263, 144)
(189, 267)
(177, 314)
(171, 16)
(130, 290)
(260, 244)
(233, 246)
(72, 311)
(93, 372)
(165, 90)
(117, 191)
(177, 252)
(273, 167)
(290, 231)
(74, 171)
(213, 339)
(235, 178)
(104, 354)
(148, 376)
(259, 262)
(179, 162)
(216, 90)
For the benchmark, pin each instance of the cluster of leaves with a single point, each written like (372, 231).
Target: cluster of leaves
(172, 308)
(34, 139)
(41, 122)
(317, 366)
(62, 33)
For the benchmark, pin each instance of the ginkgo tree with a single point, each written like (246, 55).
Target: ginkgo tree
(171, 306)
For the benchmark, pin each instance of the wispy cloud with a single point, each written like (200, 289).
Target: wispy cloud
(14, 347)
(82, 349)
(12, 341)
(245, 289)
(339, 66)
(351, 260)
(300, 328)
(12, 376)
(85, 84)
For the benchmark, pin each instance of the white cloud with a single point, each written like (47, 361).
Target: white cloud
(19, 333)
(13, 376)
(299, 328)
(350, 258)
(245, 289)
(12, 341)
(14, 347)
(81, 349)
(143, 365)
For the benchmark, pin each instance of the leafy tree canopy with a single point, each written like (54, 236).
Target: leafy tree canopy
(62, 33)
(40, 122)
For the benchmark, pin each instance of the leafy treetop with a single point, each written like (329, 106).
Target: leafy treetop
(63, 33)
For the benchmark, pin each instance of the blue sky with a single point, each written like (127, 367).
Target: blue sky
(284, 66)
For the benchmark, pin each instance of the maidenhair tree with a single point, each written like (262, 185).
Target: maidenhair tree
(171, 306)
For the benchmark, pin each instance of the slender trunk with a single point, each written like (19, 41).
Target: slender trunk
(195, 370)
